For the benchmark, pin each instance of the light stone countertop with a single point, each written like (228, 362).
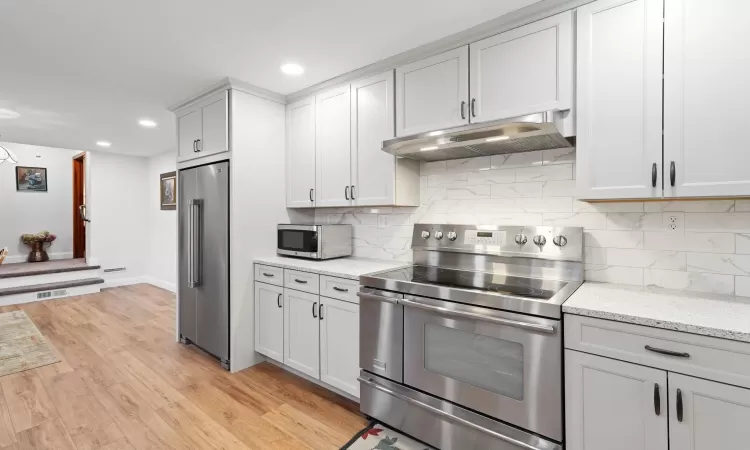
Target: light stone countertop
(350, 268)
(720, 316)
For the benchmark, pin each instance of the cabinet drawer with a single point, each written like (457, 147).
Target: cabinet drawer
(701, 356)
(339, 288)
(302, 281)
(269, 274)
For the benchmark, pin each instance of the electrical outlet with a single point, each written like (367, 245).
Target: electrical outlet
(674, 222)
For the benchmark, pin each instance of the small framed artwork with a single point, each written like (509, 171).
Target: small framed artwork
(31, 179)
(168, 190)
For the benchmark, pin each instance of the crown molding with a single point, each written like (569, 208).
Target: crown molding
(230, 83)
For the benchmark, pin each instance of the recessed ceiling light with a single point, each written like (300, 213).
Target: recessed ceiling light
(103, 143)
(8, 114)
(148, 123)
(292, 69)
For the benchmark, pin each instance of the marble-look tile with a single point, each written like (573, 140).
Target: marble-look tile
(516, 190)
(564, 188)
(715, 222)
(430, 168)
(729, 264)
(718, 206)
(468, 164)
(636, 221)
(689, 281)
(559, 156)
(429, 195)
(381, 253)
(447, 179)
(545, 205)
(594, 256)
(613, 239)
(397, 219)
(545, 173)
(690, 242)
(613, 274)
(607, 207)
(467, 192)
(647, 259)
(743, 243)
(521, 219)
(742, 286)
(742, 206)
(587, 220)
(513, 160)
(500, 176)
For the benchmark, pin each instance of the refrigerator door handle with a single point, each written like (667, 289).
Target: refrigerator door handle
(195, 245)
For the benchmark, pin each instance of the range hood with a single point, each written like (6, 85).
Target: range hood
(516, 135)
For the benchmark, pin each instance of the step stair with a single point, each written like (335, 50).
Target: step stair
(30, 282)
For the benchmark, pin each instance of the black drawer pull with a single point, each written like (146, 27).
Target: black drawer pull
(266, 274)
(667, 352)
(300, 281)
(336, 288)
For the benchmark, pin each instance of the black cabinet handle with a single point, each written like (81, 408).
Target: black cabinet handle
(300, 281)
(197, 142)
(679, 405)
(315, 306)
(352, 191)
(657, 400)
(336, 288)
(320, 311)
(346, 192)
(463, 109)
(278, 301)
(653, 175)
(672, 173)
(311, 193)
(667, 352)
(266, 274)
(473, 107)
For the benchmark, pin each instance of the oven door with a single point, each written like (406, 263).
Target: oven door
(505, 365)
(298, 240)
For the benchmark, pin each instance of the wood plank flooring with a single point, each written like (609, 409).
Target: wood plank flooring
(124, 383)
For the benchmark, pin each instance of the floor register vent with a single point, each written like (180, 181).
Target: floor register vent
(50, 294)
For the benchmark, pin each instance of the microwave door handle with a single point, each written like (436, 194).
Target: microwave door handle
(546, 329)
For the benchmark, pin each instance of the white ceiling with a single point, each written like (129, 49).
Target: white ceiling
(80, 71)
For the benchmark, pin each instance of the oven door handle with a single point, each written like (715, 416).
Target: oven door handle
(367, 295)
(447, 416)
(470, 315)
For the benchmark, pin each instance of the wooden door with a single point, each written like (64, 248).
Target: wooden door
(215, 125)
(713, 415)
(433, 93)
(300, 154)
(333, 148)
(619, 105)
(189, 130)
(79, 202)
(339, 345)
(373, 170)
(301, 332)
(706, 73)
(269, 320)
(614, 405)
(523, 71)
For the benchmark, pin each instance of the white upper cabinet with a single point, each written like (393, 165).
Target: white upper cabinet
(339, 345)
(269, 320)
(333, 148)
(706, 73)
(188, 133)
(523, 71)
(300, 154)
(433, 93)
(619, 104)
(203, 127)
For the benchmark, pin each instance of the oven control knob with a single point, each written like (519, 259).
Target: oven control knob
(540, 240)
(438, 235)
(425, 235)
(560, 241)
(452, 235)
(520, 239)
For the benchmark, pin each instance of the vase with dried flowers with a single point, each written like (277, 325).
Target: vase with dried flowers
(37, 242)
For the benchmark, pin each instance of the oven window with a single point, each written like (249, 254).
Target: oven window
(483, 361)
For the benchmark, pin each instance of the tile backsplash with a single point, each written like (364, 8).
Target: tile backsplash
(626, 242)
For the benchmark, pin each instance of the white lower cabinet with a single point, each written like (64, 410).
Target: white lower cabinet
(339, 344)
(269, 320)
(301, 333)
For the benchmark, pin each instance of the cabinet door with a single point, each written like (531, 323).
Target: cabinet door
(433, 93)
(714, 415)
(619, 105)
(373, 170)
(611, 404)
(269, 320)
(523, 71)
(301, 332)
(215, 111)
(300, 154)
(339, 345)
(333, 148)
(706, 73)
(188, 132)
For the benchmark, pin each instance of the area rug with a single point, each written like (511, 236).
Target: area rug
(22, 346)
(379, 437)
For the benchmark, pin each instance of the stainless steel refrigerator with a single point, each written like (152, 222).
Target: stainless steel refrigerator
(204, 258)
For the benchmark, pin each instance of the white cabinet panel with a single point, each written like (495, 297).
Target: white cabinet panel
(619, 99)
(432, 93)
(706, 73)
(612, 404)
(373, 170)
(300, 154)
(522, 71)
(301, 332)
(332, 147)
(188, 133)
(714, 415)
(269, 320)
(339, 345)
(215, 125)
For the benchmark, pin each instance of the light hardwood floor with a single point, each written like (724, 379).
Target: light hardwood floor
(124, 383)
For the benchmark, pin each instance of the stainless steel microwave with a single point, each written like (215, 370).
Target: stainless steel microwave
(314, 241)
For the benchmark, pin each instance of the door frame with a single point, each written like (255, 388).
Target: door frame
(79, 199)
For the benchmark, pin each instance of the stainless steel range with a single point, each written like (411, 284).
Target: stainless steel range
(463, 349)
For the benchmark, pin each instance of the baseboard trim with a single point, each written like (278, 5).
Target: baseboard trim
(116, 282)
(171, 287)
(11, 259)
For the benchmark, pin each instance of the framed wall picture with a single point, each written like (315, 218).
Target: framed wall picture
(31, 179)
(168, 190)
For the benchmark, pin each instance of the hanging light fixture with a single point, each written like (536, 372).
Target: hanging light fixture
(7, 155)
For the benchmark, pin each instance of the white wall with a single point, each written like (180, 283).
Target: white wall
(31, 212)
(162, 226)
